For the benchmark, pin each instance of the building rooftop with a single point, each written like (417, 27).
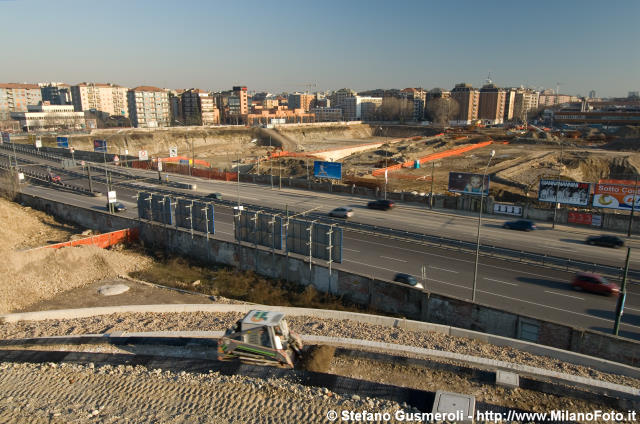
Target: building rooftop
(18, 85)
(147, 88)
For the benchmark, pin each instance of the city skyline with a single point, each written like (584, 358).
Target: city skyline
(583, 45)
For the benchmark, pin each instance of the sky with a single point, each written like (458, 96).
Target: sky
(286, 45)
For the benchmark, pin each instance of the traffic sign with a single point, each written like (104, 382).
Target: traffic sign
(38, 142)
(143, 155)
(112, 197)
(173, 152)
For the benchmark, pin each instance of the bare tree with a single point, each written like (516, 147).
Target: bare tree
(441, 110)
(395, 109)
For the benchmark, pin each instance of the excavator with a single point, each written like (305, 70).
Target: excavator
(261, 337)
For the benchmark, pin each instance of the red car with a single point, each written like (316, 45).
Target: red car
(594, 283)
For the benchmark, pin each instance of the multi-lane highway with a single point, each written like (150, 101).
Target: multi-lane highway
(516, 287)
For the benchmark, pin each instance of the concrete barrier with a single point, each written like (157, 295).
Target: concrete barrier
(384, 296)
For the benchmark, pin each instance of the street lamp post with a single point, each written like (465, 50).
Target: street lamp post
(475, 270)
(555, 204)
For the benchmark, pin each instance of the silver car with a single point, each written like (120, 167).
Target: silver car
(342, 212)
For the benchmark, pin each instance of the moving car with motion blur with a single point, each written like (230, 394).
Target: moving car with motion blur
(341, 212)
(118, 207)
(605, 240)
(408, 279)
(594, 283)
(520, 224)
(383, 205)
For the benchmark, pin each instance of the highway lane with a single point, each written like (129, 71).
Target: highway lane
(516, 287)
(565, 241)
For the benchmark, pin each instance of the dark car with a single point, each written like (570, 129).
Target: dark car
(594, 283)
(216, 196)
(383, 205)
(521, 224)
(605, 240)
(118, 207)
(408, 279)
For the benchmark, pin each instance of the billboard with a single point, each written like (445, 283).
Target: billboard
(63, 142)
(568, 192)
(100, 146)
(614, 196)
(462, 182)
(327, 169)
(173, 152)
(6, 137)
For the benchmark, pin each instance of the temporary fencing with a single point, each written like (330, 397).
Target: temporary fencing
(102, 240)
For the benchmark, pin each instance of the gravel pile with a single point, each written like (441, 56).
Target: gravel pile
(68, 393)
(205, 321)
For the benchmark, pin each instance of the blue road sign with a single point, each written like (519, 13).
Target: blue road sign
(63, 142)
(100, 146)
(6, 137)
(327, 170)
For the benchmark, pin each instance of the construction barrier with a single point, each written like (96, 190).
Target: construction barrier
(102, 240)
(431, 157)
(176, 168)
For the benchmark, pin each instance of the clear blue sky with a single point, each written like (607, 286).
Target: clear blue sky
(283, 45)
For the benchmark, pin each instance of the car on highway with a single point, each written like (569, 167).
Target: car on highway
(383, 205)
(408, 279)
(520, 224)
(594, 283)
(118, 207)
(54, 178)
(215, 196)
(605, 240)
(342, 212)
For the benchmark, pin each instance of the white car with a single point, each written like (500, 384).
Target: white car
(342, 212)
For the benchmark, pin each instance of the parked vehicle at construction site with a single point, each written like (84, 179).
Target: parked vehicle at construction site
(261, 337)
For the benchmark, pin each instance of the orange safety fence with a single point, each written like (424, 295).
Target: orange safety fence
(102, 240)
(431, 157)
(184, 158)
(176, 168)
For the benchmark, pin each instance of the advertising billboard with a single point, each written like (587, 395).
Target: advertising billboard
(63, 142)
(6, 137)
(462, 182)
(100, 146)
(568, 192)
(614, 196)
(327, 169)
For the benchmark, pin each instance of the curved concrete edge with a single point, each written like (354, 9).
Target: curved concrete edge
(536, 349)
(602, 387)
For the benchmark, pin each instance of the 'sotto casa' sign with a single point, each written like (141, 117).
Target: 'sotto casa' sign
(614, 196)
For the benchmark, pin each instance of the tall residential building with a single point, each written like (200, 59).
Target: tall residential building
(106, 98)
(509, 101)
(352, 107)
(419, 98)
(198, 108)
(16, 97)
(339, 97)
(239, 104)
(300, 101)
(592, 94)
(491, 105)
(148, 107)
(56, 93)
(526, 100)
(468, 99)
(550, 98)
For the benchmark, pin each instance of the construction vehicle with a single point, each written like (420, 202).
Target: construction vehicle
(261, 337)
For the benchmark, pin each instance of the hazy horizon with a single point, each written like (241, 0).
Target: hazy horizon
(583, 45)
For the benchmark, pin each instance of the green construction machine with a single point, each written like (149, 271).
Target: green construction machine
(261, 337)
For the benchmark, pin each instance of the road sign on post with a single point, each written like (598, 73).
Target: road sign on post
(38, 142)
(100, 146)
(63, 142)
(112, 197)
(143, 155)
(173, 152)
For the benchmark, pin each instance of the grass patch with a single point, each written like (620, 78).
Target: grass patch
(221, 280)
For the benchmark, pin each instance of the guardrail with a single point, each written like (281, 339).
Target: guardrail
(513, 255)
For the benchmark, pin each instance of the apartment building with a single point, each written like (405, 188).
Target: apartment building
(509, 100)
(468, 99)
(300, 101)
(198, 108)
(550, 98)
(526, 100)
(352, 107)
(56, 93)
(110, 99)
(419, 98)
(17, 97)
(491, 104)
(327, 114)
(148, 107)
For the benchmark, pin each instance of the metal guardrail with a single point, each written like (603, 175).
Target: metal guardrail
(513, 255)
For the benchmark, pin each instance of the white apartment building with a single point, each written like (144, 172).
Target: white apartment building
(50, 118)
(106, 98)
(148, 107)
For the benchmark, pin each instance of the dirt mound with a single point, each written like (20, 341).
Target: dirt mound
(628, 132)
(318, 358)
(624, 145)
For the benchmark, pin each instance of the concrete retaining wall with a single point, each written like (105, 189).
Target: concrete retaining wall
(381, 295)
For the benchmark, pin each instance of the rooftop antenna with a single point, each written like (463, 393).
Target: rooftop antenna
(489, 78)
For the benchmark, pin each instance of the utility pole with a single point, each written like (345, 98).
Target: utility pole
(475, 270)
(238, 174)
(279, 175)
(433, 168)
(622, 296)
(89, 175)
(555, 204)
(633, 207)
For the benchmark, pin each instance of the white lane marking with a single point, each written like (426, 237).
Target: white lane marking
(562, 294)
(449, 284)
(351, 250)
(550, 307)
(500, 281)
(394, 259)
(443, 269)
(222, 232)
(372, 266)
(632, 309)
